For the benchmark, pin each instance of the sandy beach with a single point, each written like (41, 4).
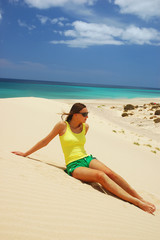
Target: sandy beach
(39, 201)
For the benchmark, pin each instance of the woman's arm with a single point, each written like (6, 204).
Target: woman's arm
(58, 128)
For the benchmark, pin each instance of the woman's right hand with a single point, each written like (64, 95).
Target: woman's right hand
(19, 153)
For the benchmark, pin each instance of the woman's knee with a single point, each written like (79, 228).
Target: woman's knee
(100, 176)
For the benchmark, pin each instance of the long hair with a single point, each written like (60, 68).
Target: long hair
(76, 108)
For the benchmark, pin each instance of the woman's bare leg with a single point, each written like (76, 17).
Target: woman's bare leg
(93, 175)
(95, 164)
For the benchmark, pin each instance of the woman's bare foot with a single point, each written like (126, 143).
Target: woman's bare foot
(148, 203)
(147, 207)
(151, 204)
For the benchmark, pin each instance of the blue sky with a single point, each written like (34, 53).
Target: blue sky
(113, 42)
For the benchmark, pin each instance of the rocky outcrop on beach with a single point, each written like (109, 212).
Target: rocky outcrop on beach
(129, 107)
(157, 120)
(157, 112)
(145, 111)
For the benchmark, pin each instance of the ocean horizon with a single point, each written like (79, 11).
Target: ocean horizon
(13, 88)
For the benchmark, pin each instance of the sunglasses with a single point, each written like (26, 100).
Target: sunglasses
(85, 114)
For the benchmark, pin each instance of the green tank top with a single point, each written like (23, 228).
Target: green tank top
(73, 144)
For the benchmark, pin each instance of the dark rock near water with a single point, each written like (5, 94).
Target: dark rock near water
(124, 114)
(129, 107)
(157, 120)
(155, 107)
(157, 112)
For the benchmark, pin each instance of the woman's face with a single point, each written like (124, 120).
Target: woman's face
(83, 115)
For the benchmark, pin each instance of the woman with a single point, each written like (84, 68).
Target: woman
(85, 167)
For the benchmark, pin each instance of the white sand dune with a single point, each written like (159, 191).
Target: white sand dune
(39, 201)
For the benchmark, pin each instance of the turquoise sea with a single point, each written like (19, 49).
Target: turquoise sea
(11, 88)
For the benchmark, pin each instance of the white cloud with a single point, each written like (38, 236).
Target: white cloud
(45, 19)
(144, 9)
(141, 36)
(75, 7)
(61, 24)
(23, 24)
(90, 34)
(58, 32)
(44, 4)
(54, 20)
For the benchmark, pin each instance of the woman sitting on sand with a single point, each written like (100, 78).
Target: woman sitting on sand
(85, 167)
